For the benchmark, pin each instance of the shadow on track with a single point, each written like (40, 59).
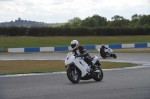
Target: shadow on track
(85, 82)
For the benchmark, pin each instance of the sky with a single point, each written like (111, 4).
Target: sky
(60, 11)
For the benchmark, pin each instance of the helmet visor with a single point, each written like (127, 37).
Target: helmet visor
(73, 45)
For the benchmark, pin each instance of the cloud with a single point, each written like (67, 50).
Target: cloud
(57, 3)
(6, 0)
(149, 3)
(52, 11)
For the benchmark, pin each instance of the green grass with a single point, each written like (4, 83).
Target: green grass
(65, 40)
(39, 66)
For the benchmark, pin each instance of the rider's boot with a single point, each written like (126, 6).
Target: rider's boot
(94, 68)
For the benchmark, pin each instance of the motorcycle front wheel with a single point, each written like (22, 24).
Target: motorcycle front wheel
(73, 75)
(98, 76)
(103, 56)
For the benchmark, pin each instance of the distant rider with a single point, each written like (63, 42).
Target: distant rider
(102, 50)
(81, 52)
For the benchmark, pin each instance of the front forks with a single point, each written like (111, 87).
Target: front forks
(74, 74)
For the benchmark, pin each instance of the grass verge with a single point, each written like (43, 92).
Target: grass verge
(39, 66)
(51, 41)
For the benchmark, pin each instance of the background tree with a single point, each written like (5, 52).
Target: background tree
(145, 20)
(134, 20)
(118, 21)
(140, 21)
(117, 17)
(75, 22)
(94, 21)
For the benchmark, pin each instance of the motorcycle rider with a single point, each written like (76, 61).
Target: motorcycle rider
(81, 52)
(102, 50)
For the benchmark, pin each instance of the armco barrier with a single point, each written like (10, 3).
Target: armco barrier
(0, 50)
(91, 47)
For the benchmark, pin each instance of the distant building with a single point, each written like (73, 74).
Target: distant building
(25, 23)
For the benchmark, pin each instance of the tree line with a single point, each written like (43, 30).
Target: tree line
(90, 26)
(116, 21)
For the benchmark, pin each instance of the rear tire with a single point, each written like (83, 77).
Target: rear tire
(114, 56)
(98, 76)
(73, 76)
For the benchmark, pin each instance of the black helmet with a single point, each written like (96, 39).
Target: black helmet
(103, 45)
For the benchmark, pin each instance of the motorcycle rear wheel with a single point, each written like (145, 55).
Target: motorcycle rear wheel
(98, 76)
(114, 56)
(73, 76)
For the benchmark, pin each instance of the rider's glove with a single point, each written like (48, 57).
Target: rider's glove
(82, 55)
(77, 56)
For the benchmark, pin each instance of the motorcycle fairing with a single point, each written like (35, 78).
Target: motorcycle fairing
(82, 65)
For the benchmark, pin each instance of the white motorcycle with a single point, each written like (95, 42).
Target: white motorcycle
(109, 53)
(78, 69)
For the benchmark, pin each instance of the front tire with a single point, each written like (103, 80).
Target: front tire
(103, 56)
(98, 76)
(73, 75)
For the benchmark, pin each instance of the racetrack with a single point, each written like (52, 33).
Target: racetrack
(133, 83)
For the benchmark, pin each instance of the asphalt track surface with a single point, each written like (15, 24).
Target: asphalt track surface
(133, 83)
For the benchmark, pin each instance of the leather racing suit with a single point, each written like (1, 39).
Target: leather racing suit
(81, 52)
